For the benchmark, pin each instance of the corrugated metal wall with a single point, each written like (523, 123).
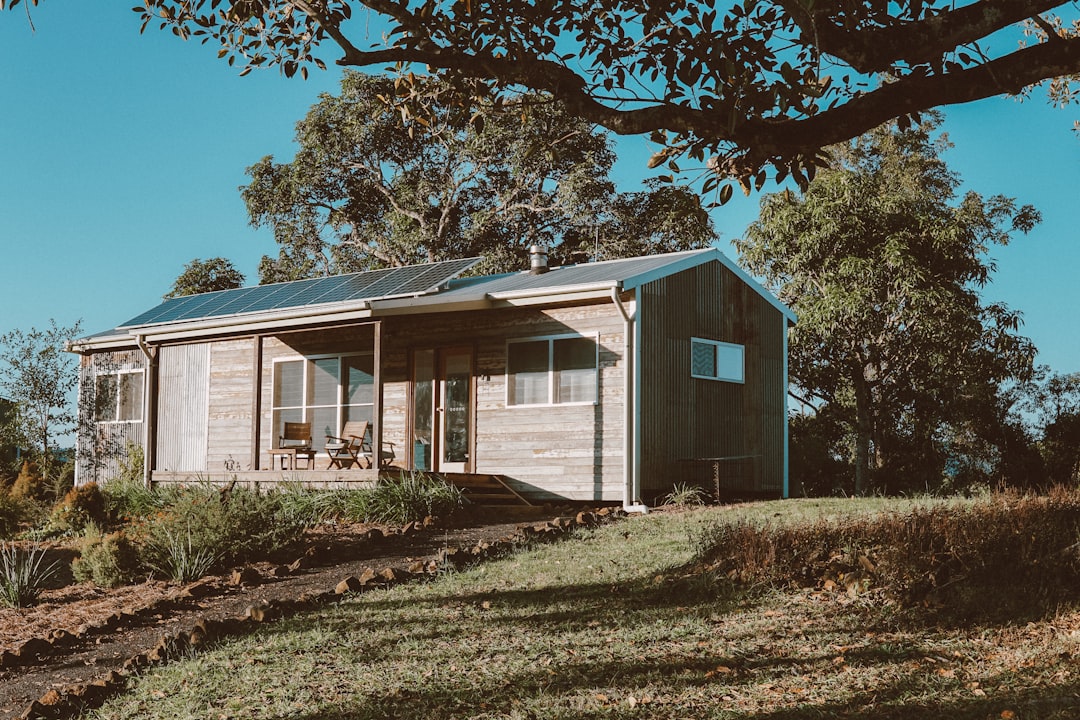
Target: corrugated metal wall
(183, 405)
(685, 418)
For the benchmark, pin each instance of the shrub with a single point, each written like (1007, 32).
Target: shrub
(205, 526)
(685, 494)
(22, 575)
(311, 507)
(106, 560)
(409, 497)
(176, 555)
(81, 506)
(12, 514)
(1004, 558)
(126, 498)
(30, 484)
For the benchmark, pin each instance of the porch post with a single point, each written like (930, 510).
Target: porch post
(256, 398)
(377, 399)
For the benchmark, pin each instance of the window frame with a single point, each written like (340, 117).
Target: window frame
(117, 404)
(717, 375)
(551, 371)
(307, 403)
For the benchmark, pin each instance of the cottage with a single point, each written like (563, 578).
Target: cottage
(601, 382)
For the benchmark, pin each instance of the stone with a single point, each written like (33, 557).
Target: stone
(280, 571)
(246, 576)
(34, 647)
(350, 584)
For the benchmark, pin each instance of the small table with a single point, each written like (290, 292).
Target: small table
(289, 455)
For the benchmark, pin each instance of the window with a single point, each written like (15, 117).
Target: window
(551, 371)
(119, 396)
(714, 360)
(325, 391)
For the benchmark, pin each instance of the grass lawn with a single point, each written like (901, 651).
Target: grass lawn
(602, 627)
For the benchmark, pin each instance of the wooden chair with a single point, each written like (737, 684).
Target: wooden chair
(294, 442)
(349, 448)
(354, 446)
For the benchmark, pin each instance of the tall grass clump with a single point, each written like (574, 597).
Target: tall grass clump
(23, 574)
(1007, 557)
(406, 498)
(310, 506)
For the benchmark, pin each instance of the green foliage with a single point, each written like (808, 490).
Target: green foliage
(107, 560)
(204, 525)
(80, 507)
(23, 574)
(366, 190)
(1008, 557)
(13, 512)
(738, 88)
(202, 276)
(39, 376)
(884, 265)
(309, 506)
(685, 494)
(407, 498)
(30, 484)
(180, 553)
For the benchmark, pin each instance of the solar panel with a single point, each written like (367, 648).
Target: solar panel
(370, 285)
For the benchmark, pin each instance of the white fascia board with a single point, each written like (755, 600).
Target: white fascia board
(428, 304)
(112, 342)
(556, 293)
(555, 299)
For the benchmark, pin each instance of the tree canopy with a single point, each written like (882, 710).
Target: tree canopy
(369, 189)
(884, 265)
(199, 276)
(38, 376)
(743, 85)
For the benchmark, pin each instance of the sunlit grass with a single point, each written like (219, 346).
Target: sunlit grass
(604, 626)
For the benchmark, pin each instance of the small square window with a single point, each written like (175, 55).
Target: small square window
(715, 360)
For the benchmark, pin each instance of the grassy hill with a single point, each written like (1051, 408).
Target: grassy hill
(631, 620)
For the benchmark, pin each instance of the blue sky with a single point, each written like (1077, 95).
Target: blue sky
(121, 155)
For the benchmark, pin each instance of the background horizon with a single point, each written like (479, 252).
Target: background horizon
(122, 155)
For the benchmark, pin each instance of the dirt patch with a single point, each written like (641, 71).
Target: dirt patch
(79, 634)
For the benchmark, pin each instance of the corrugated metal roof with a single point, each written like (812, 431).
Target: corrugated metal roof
(434, 287)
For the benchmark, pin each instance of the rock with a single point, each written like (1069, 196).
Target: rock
(586, 518)
(50, 698)
(280, 571)
(32, 648)
(246, 576)
(393, 575)
(350, 584)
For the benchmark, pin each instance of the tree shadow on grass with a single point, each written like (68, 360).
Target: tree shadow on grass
(659, 680)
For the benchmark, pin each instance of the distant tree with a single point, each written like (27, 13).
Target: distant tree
(884, 265)
(38, 375)
(1052, 402)
(367, 189)
(200, 276)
